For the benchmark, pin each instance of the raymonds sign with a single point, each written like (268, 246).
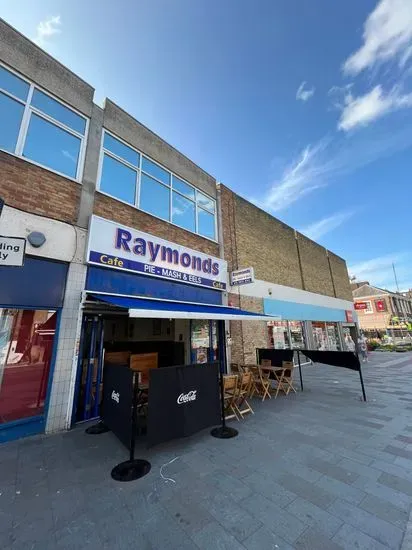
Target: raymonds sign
(119, 247)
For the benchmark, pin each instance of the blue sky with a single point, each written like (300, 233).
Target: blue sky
(303, 107)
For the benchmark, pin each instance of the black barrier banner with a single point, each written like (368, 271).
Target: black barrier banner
(118, 401)
(276, 356)
(182, 401)
(345, 359)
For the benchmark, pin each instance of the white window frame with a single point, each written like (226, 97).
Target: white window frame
(140, 171)
(25, 121)
(367, 311)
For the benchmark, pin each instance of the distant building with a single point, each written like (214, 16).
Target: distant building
(381, 310)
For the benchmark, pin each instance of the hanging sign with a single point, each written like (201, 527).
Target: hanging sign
(380, 305)
(242, 276)
(349, 316)
(119, 247)
(12, 251)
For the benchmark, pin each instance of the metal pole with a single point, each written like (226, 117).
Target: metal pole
(300, 372)
(134, 414)
(99, 368)
(90, 370)
(361, 381)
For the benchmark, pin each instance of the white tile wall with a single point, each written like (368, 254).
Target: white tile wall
(60, 405)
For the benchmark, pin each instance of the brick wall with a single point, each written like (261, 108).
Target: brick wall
(37, 190)
(340, 277)
(111, 209)
(254, 238)
(377, 319)
(315, 267)
(247, 335)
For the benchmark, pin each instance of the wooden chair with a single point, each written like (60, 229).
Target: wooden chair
(235, 368)
(266, 363)
(261, 382)
(284, 378)
(230, 393)
(244, 391)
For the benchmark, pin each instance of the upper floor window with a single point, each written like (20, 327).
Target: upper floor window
(133, 178)
(40, 128)
(368, 308)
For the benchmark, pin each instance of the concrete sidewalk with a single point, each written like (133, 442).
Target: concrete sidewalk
(316, 470)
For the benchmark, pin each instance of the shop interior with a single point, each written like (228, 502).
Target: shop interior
(110, 335)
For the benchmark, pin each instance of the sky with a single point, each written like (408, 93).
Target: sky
(304, 108)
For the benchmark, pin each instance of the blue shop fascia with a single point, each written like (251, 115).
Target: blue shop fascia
(146, 295)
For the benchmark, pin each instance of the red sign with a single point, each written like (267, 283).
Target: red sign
(361, 305)
(349, 316)
(380, 305)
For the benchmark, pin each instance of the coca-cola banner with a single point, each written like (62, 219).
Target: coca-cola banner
(118, 400)
(182, 401)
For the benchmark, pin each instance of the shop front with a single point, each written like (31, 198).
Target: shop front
(146, 300)
(31, 298)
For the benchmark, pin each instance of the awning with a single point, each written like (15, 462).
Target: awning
(164, 309)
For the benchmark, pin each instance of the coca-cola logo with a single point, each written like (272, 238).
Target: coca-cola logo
(186, 397)
(116, 396)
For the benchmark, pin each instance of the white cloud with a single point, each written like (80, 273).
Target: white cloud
(379, 271)
(302, 94)
(320, 228)
(361, 110)
(47, 28)
(387, 35)
(321, 164)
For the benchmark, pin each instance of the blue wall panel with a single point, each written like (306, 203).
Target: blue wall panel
(39, 283)
(293, 311)
(100, 279)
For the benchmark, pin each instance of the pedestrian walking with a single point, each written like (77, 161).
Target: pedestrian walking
(349, 343)
(363, 347)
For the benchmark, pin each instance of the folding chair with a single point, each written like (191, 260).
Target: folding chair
(234, 368)
(244, 393)
(261, 382)
(284, 378)
(230, 393)
(266, 363)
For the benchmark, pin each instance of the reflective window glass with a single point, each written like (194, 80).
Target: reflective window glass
(154, 197)
(51, 146)
(13, 84)
(183, 212)
(58, 111)
(26, 348)
(205, 202)
(121, 150)
(155, 170)
(206, 224)
(11, 113)
(118, 180)
(183, 188)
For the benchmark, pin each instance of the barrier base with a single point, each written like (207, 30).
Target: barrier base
(224, 432)
(99, 428)
(131, 470)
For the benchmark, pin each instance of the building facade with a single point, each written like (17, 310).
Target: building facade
(380, 311)
(128, 245)
(296, 279)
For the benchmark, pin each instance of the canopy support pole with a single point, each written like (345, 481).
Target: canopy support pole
(361, 380)
(300, 372)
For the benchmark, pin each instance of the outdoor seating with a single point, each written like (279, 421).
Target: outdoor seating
(230, 393)
(284, 378)
(244, 392)
(235, 368)
(261, 382)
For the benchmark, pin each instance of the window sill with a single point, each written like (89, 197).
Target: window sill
(34, 163)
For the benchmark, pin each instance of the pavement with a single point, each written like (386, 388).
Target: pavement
(318, 470)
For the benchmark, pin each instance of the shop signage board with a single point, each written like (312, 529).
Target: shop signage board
(361, 305)
(242, 276)
(349, 316)
(380, 305)
(123, 248)
(12, 251)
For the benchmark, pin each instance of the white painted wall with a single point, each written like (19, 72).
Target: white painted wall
(64, 242)
(264, 289)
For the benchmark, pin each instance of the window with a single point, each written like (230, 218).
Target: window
(26, 347)
(368, 308)
(40, 128)
(131, 177)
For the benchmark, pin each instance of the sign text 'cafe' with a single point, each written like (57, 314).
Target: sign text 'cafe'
(127, 249)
